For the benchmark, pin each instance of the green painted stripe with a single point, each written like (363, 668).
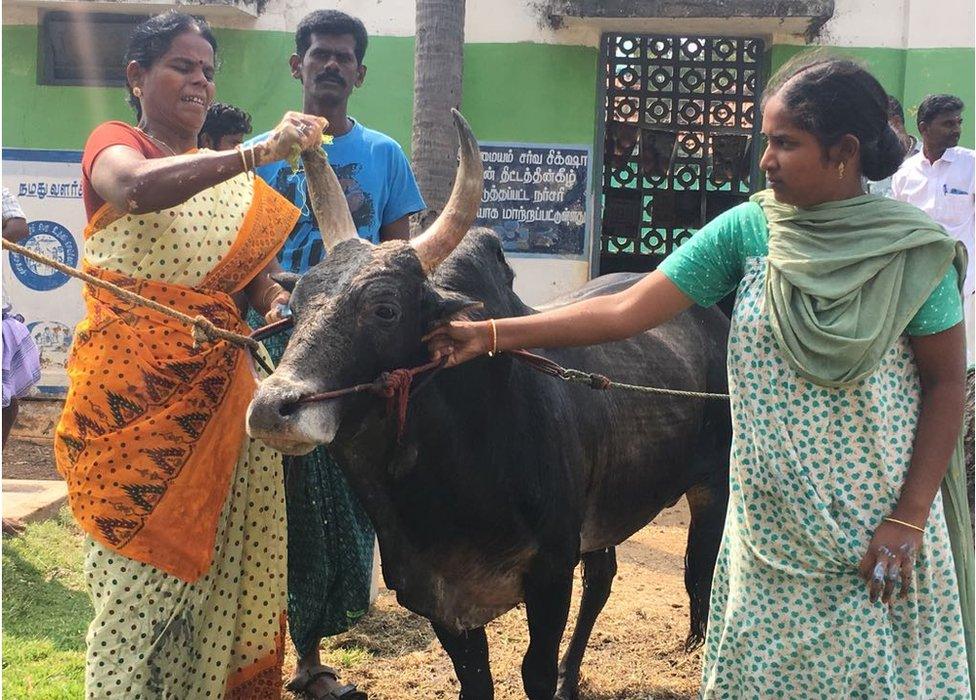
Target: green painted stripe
(517, 92)
(929, 71)
(255, 75)
(909, 75)
(512, 92)
(531, 92)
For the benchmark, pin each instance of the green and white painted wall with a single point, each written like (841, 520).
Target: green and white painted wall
(523, 81)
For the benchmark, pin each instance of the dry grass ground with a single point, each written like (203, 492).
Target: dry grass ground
(636, 650)
(635, 653)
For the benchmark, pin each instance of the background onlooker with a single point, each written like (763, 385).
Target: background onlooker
(940, 181)
(225, 127)
(21, 360)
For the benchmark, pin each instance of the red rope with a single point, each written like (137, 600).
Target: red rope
(398, 396)
(393, 386)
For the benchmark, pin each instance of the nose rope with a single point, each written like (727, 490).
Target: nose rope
(393, 386)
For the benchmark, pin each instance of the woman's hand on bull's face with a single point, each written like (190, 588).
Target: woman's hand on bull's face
(459, 341)
(278, 306)
(294, 129)
(890, 561)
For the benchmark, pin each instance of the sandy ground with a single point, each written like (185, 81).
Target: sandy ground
(636, 650)
(29, 459)
(635, 653)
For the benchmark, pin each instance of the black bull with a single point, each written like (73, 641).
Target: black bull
(504, 478)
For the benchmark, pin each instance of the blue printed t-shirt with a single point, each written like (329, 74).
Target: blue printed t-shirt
(711, 265)
(375, 177)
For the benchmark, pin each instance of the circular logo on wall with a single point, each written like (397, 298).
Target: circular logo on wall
(53, 340)
(52, 240)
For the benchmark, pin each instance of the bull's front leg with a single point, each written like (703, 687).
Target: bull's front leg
(469, 654)
(548, 589)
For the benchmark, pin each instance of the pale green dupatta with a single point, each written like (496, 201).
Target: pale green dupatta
(844, 279)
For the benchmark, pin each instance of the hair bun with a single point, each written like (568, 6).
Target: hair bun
(883, 157)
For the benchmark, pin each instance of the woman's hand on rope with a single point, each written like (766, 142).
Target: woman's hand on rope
(459, 341)
(890, 560)
(295, 129)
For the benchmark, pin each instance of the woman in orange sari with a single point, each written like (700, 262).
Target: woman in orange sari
(185, 554)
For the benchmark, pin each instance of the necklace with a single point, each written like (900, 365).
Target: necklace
(158, 142)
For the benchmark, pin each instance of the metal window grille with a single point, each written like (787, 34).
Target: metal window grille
(78, 48)
(680, 139)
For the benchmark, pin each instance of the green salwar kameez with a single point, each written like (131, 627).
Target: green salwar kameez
(814, 470)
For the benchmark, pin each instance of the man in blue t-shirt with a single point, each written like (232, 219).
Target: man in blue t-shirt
(330, 539)
(372, 168)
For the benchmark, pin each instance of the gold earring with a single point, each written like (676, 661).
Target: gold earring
(137, 92)
(840, 171)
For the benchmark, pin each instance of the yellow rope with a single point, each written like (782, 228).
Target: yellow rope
(203, 329)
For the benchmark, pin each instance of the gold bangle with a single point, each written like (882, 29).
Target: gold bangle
(240, 151)
(493, 334)
(272, 291)
(902, 522)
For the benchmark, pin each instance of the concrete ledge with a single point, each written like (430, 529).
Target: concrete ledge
(718, 17)
(210, 9)
(30, 500)
(682, 9)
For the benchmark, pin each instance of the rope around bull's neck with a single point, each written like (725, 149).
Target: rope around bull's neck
(203, 328)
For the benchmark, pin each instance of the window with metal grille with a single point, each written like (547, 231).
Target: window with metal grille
(84, 48)
(680, 140)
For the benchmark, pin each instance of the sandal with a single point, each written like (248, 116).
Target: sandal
(304, 679)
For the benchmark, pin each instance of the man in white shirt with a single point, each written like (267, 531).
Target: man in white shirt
(941, 181)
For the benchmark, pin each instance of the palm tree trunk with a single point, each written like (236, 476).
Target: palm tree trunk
(438, 68)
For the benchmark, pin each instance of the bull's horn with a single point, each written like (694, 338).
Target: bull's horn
(326, 199)
(437, 242)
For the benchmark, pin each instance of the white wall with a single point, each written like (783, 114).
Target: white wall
(856, 23)
(900, 24)
(485, 20)
(941, 24)
(539, 280)
(861, 23)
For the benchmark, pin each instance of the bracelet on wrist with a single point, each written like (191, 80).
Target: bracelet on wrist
(896, 521)
(270, 294)
(248, 169)
(240, 152)
(493, 337)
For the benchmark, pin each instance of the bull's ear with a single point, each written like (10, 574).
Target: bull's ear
(287, 280)
(445, 306)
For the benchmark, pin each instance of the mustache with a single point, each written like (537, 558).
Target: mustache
(330, 75)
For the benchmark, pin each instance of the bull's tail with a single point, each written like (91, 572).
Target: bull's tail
(707, 503)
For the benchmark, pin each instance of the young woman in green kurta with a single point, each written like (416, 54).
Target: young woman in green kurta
(847, 382)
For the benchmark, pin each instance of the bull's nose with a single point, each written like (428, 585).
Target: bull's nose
(271, 407)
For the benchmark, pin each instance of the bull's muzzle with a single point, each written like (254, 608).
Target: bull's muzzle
(277, 418)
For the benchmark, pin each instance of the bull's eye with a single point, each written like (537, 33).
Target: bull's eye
(386, 312)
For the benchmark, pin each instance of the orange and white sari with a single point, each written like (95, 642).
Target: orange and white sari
(185, 514)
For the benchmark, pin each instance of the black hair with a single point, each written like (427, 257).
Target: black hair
(935, 105)
(332, 23)
(895, 109)
(222, 120)
(833, 97)
(152, 39)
